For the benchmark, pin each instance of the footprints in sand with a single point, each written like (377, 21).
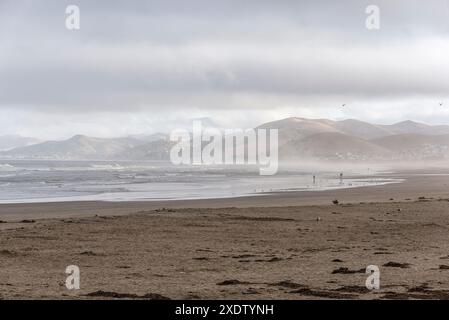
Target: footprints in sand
(200, 258)
(392, 264)
(247, 258)
(232, 282)
(288, 287)
(21, 221)
(249, 218)
(8, 253)
(344, 270)
(420, 292)
(88, 253)
(116, 295)
(27, 221)
(323, 294)
(293, 288)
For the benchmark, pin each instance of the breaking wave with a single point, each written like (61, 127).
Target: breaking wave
(7, 168)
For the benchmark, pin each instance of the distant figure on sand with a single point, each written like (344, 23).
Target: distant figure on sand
(341, 177)
(313, 179)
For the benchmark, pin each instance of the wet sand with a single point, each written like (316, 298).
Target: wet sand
(294, 245)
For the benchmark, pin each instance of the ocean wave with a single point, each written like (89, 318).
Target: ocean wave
(7, 167)
(113, 166)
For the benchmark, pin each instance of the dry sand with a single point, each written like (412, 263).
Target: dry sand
(283, 246)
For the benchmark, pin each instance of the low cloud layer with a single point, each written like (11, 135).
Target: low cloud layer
(149, 65)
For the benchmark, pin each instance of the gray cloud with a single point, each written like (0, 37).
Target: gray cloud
(209, 57)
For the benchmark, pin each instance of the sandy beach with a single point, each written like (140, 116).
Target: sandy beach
(293, 245)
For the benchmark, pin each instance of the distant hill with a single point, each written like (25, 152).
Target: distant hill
(154, 150)
(333, 145)
(416, 127)
(9, 142)
(360, 129)
(414, 146)
(357, 140)
(77, 147)
(298, 128)
(299, 138)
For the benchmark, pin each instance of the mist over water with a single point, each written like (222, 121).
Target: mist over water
(50, 181)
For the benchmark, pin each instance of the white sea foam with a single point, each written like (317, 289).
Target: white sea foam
(113, 166)
(7, 168)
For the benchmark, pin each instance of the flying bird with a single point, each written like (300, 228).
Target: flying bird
(441, 103)
(343, 105)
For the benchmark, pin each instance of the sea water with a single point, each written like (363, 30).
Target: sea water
(25, 181)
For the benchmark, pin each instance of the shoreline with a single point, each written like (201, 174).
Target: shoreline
(380, 182)
(413, 186)
(297, 181)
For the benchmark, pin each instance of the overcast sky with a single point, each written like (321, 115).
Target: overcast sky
(147, 66)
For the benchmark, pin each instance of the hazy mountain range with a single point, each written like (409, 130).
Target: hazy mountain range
(79, 147)
(299, 138)
(358, 140)
(13, 141)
